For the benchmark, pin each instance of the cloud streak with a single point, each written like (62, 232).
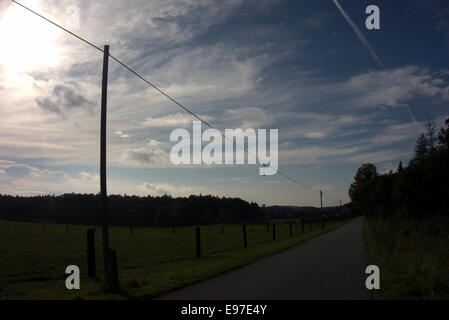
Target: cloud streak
(359, 34)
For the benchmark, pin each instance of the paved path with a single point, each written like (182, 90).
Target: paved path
(330, 266)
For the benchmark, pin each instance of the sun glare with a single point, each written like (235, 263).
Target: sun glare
(27, 42)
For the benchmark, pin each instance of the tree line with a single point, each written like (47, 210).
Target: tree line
(419, 189)
(71, 208)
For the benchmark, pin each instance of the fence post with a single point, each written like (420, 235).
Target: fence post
(222, 229)
(67, 228)
(130, 229)
(274, 231)
(43, 227)
(302, 225)
(198, 242)
(310, 225)
(91, 267)
(114, 271)
(244, 236)
(291, 231)
(268, 227)
(173, 230)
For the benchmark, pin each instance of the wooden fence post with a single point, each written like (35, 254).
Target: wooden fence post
(291, 231)
(274, 231)
(244, 236)
(302, 225)
(91, 267)
(222, 229)
(114, 271)
(198, 242)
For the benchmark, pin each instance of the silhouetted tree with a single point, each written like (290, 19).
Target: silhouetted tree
(431, 136)
(360, 191)
(443, 137)
(421, 148)
(400, 167)
(420, 190)
(126, 210)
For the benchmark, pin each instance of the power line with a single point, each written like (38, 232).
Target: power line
(167, 96)
(59, 26)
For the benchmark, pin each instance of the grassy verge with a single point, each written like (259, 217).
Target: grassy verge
(413, 259)
(151, 261)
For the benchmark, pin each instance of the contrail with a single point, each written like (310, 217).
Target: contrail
(365, 42)
(359, 33)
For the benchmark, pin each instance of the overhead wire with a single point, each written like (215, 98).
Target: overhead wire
(179, 104)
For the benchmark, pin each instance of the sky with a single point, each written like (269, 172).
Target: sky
(339, 94)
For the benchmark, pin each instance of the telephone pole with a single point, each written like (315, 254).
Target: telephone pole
(321, 200)
(103, 192)
(322, 216)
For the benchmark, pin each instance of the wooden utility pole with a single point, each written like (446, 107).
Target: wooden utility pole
(341, 211)
(245, 243)
(198, 242)
(321, 201)
(103, 192)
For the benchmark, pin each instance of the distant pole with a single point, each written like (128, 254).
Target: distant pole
(198, 242)
(91, 269)
(321, 201)
(103, 192)
(245, 244)
(341, 211)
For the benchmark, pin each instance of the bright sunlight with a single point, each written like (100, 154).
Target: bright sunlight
(26, 43)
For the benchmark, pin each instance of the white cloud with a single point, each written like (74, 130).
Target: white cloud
(145, 156)
(169, 189)
(154, 143)
(172, 120)
(315, 135)
(394, 87)
(122, 135)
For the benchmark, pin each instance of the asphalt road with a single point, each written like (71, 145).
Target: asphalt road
(331, 266)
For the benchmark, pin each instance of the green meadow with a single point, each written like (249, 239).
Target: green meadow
(151, 261)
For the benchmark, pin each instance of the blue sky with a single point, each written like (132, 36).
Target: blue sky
(296, 66)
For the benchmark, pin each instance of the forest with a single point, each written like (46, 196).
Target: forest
(419, 190)
(73, 208)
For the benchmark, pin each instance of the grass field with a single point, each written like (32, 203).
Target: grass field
(151, 261)
(413, 263)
